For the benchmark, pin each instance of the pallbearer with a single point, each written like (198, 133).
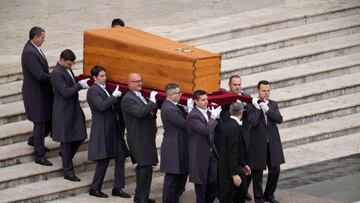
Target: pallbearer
(106, 138)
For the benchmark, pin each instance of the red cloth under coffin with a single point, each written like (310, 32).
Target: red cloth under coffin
(215, 99)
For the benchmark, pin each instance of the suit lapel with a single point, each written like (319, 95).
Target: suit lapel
(43, 60)
(197, 111)
(136, 98)
(101, 90)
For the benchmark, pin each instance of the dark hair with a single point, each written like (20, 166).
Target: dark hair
(68, 55)
(198, 93)
(35, 31)
(96, 70)
(233, 76)
(117, 21)
(236, 108)
(170, 86)
(262, 82)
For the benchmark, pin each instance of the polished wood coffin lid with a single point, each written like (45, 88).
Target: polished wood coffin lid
(158, 60)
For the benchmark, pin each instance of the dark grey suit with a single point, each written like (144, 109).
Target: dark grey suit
(231, 162)
(202, 155)
(37, 95)
(106, 139)
(265, 149)
(174, 151)
(140, 123)
(68, 123)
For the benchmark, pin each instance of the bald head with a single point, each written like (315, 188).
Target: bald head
(135, 82)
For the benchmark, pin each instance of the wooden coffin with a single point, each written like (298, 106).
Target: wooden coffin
(158, 60)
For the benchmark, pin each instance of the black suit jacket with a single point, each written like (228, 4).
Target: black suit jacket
(174, 148)
(68, 122)
(232, 156)
(262, 133)
(36, 90)
(106, 138)
(201, 140)
(140, 123)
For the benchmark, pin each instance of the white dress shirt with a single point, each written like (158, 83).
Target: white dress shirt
(204, 112)
(140, 96)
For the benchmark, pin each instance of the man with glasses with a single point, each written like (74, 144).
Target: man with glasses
(140, 122)
(174, 148)
(68, 119)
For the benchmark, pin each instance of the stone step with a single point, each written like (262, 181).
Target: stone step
(258, 21)
(317, 90)
(320, 110)
(311, 153)
(13, 72)
(188, 195)
(290, 56)
(286, 37)
(56, 188)
(9, 175)
(320, 130)
(10, 92)
(20, 130)
(303, 73)
(20, 152)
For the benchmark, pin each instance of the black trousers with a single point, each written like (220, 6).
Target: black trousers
(206, 193)
(238, 193)
(100, 171)
(271, 184)
(143, 182)
(40, 131)
(174, 185)
(68, 151)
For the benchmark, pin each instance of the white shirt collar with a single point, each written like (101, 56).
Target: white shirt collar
(236, 119)
(137, 93)
(172, 102)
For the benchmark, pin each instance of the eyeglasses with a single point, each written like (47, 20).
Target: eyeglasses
(137, 81)
(177, 93)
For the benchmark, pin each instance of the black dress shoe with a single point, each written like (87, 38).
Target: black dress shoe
(43, 161)
(248, 197)
(118, 192)
(97, 193)
(273, 200)
(72, 177)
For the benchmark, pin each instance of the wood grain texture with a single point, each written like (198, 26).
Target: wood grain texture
(158, 60)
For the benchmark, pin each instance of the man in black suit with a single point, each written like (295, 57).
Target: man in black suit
(68, 119)
(174, 148)
(37, 92)
(202, 151)
(233, 159)
(140, 121)
(235, 86)
(106, 138)
(265, 144)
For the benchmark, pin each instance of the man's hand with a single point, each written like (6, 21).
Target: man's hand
(237, 180)
(190, 104)
(247, 170)
(264, 106)
(254, 102)
(116, 92)
(215, 113)
(83, 83)
(153, 95)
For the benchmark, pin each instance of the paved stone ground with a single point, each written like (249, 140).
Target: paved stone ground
(65, 21)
